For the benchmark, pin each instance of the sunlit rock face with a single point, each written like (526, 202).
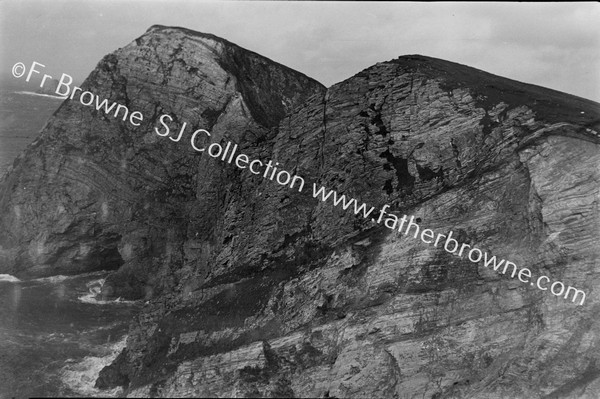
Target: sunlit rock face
(254, 289)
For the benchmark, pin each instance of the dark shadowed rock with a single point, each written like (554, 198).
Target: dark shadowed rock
(116, 375)
(259, 290)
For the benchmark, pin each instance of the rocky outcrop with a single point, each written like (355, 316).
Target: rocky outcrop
(95, 192)
(258, 290)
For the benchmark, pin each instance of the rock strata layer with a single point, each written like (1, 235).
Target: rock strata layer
(254, 289)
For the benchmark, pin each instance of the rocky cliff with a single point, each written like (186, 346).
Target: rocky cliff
(95, 192)
(254, 289)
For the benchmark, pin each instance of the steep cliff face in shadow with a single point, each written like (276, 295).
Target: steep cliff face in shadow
(257, 289)
(96, 192)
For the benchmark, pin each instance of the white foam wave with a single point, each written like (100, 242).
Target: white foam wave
(95, 283)
(8, 278)
(94, 288)
(53, 279)
(31, 93)
(92, 298)
(60, 278)
(81, 376)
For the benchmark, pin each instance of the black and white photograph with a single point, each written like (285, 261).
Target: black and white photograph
(299, 199)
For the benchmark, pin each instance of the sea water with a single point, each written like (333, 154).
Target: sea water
(55, 337)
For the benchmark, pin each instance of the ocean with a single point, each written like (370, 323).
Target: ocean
(55, 336)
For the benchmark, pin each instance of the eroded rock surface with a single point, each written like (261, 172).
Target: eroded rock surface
(258, 290)
(94, 192)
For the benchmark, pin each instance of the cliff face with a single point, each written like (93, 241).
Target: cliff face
(94, 192)
(257, 289)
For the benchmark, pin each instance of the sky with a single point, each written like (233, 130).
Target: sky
(554, 45)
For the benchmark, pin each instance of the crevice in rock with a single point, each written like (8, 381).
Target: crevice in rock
(400, 165)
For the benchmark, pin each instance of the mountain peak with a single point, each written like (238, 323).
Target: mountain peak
(190, 32)
(489, 89)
